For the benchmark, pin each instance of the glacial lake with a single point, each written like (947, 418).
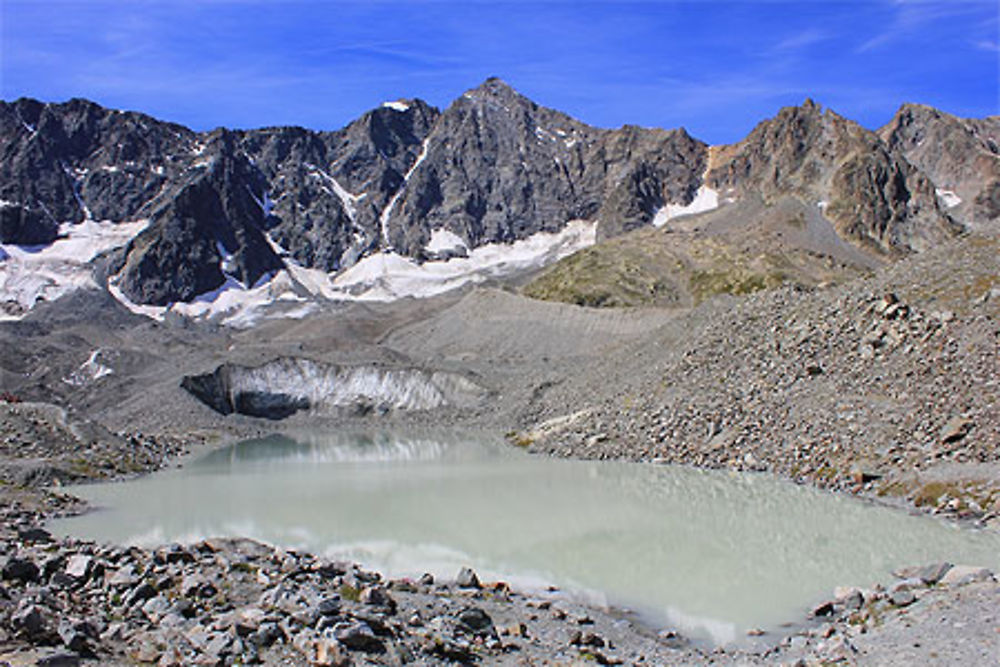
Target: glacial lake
(711, 554)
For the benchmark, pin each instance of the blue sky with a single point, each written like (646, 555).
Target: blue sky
(715, 68)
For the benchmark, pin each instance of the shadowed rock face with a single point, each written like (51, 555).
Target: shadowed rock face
(960, 155)
(285, 386)
(59, 161)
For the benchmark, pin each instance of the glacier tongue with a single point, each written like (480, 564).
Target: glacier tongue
(284, 386)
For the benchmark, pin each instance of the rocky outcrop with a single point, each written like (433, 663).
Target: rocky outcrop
(64, 162)
(873, 195)
(960, 155)
(330, 188)
(211, 229)
(285, 386)
(498, 167)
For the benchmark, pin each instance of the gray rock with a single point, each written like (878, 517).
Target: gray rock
(467, 578)
(155, 608)
(29, 620)
(78, 566)
(964, 574)
(20, 569)
(902, 597)
(931, 574)
(34, 534)
(329, 606)
(476, 621)
(358, 636)
(377, 596)
(955, 429)
(197, 585)
(58, 659)
(75, 637)
(140, 593)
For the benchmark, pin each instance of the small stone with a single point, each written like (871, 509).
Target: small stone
(75, 638)
(476, 621)
(902, 597)
(140, 593)
(329, 653)
(931, 574)
(34, 535)
(376, 596)
(965, 574)
(824, 609)
(426, 579)
(58, 659)
(29, 621)
(196, 585)
(467, 578)
(156, 608)
(20, 569)
(124, 577)
(328, 606)
(78, 566)
(956, 429)
(358, 636)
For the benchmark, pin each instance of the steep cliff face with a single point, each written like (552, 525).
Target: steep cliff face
(872, 194)
(499, 167)
(208, 230)
(66, 162)
(961, 156)
(327, 190)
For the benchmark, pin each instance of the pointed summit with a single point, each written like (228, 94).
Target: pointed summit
(495, 88)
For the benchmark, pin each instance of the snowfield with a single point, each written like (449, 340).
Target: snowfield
(29, 274)
(706, 199)
(298, 291)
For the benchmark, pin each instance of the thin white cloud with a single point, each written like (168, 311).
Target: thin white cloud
(912, 16)
(801, 40)
(988, 45)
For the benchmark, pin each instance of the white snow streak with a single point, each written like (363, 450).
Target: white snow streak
(387, 211)
(89, 371)
(350, 201)
(398, 105)
(705, 199)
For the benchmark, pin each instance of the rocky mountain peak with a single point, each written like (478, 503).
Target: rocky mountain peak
(235, 206)
(871, 194)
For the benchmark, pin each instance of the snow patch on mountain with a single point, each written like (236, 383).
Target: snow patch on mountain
(706, 199)
(398, 105)
(387, 276)
(30, 274)
(89, 371)
(387, 211)
(349, 200)
(443, 240)
(948, 198)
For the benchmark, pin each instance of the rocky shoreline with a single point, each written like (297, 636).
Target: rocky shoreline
(236, 601)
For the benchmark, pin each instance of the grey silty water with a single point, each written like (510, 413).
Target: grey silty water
(712, 553)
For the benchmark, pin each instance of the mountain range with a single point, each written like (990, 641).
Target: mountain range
(411, 188)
